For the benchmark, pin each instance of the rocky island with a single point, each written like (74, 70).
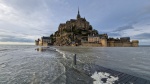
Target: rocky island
(79, 32)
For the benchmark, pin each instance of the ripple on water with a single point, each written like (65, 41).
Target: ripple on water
(2, 65)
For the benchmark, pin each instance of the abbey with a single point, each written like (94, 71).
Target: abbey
(79, 32)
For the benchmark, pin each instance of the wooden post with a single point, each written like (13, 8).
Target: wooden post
(75, 59)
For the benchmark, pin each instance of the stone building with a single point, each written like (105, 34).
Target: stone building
(93, 39)
(44, 41)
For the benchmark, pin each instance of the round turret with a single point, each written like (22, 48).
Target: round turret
(135, 43)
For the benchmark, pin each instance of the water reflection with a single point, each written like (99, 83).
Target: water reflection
(42, 49)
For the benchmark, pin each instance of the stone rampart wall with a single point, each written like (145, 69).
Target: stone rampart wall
(119, 44)
(91, 44)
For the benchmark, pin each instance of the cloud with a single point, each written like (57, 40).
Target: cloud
(142, 36)
(126, 27)
(9, 36)
(25, 20)
(24, 15)
(113, 34)
(15, 39)
(121, 31)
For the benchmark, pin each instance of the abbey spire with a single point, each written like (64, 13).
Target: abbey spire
(78, 15)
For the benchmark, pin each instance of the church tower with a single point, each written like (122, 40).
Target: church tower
(78, 15)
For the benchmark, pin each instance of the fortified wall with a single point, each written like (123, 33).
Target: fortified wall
(122, 44)
(104, 42)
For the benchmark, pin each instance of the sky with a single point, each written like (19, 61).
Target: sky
(24, 21)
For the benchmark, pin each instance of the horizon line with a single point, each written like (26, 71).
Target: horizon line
(16, 43)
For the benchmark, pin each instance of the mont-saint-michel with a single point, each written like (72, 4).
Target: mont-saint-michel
(79, 32)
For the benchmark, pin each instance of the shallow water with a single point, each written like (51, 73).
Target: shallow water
(22, 64)
(130, 60)
(51, 65)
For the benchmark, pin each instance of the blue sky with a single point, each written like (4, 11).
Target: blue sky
(23, 21)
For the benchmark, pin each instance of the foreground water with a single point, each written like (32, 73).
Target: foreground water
(23, 64)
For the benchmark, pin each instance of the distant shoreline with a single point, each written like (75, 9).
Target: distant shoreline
(144, 45)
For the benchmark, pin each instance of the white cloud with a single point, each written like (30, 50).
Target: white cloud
(13, 16)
